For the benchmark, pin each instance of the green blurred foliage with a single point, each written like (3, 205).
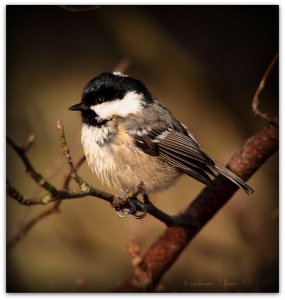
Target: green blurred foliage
(204, 63)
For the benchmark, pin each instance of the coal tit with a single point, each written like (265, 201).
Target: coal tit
(129, 137)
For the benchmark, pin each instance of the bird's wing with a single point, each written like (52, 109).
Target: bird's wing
(177, 147)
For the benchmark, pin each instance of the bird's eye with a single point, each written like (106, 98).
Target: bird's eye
(100, 100)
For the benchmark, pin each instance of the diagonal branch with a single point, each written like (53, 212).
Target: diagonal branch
(165, 250)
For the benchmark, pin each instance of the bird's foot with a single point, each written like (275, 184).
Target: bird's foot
(131, 205)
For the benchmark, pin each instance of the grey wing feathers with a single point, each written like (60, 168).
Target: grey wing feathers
(176, 146)
(177, 150)
(197, 164)
(182, 164)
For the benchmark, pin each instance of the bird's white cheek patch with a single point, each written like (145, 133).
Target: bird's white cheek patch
(130, 104)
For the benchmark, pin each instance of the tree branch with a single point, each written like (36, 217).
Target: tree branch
(165, 250)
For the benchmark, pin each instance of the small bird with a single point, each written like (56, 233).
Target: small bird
(129, 138)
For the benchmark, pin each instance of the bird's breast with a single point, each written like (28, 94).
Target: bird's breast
(96, 143)
(120, 164)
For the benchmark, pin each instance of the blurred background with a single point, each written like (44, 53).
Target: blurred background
(204, 63)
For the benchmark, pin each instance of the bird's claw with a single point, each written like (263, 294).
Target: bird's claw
(132, 205)
(121, 213)
(138, 214)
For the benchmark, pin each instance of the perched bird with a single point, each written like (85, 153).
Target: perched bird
(129, 137)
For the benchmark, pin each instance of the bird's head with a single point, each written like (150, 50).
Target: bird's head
(112, 95)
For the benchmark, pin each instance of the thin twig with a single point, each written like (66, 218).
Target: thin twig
(44, 199)
(66, 152)
(68, 176)
(255, 100)
(30, 224)
(85, 190)
(54, 209)
(57, 164)
(37, 177)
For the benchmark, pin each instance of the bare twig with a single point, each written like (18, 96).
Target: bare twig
(54, 209)
(38, 178)
(29, 225)
(85, 190)
(165, 250)
(255, 100)
(55, 166)
(66, 152)
(68, 177)
(44, 199)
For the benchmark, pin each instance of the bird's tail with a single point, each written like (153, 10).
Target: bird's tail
(234, 178)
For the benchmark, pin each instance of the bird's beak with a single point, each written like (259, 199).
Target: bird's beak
(79, 106)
